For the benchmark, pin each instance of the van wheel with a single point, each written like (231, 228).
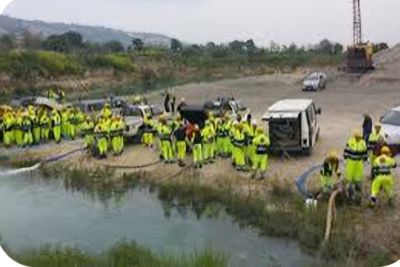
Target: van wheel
(308, 151)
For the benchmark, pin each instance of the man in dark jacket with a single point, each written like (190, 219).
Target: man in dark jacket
(166, 101)
(367, 127)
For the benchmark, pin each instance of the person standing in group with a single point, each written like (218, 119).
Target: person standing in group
(27, 130)
(65, 123)
(208, 135)
(367, 127)
(260, 156)
(250, 127)
(376, 135)
(116, 135)
(166, 144)
(238, 147)
(101, 138)
(383, 166)
(148, 132)
(180, 140)
(355, 154)
(72, 122)
(80, 119)
(34, 116)
(45, 124)
(18, 132)
(106, 112)
(223, 142)
(167, 98)
(56, 125)
(8, 128)
(88, 132)
(197, 149)
(173, 103)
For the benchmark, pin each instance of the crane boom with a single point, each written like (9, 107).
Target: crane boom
(357, 29)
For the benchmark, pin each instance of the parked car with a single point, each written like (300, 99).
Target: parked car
(391, 127)
(315, 81)
(293, 125)
(94, 106)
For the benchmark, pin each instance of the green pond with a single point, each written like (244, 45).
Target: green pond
(36, 212)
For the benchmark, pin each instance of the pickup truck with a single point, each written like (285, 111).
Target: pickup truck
(134, 118)
(230, 106)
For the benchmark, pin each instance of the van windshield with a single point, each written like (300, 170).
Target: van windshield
(132, 112)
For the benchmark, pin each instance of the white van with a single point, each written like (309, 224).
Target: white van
(293, 125)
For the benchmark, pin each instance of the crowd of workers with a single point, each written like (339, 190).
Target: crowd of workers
(243, 141)
(26, 127)
(369, 146)
(240, 139)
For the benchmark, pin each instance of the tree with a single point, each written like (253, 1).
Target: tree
(274, 47)
(176, 45)
(64, 43)
(7, 42)
(337, 48)
(237, 46)
(137, 44)
(114, 47)
(325, 47)
(250, 46)
(292, 48)
(210, 46)
(32, 40)
(72, 40)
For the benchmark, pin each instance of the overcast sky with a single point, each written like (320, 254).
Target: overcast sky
(199, 21)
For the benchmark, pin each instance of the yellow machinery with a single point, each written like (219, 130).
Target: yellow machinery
(359, 55)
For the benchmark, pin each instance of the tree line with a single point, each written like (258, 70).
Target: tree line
(73, 41)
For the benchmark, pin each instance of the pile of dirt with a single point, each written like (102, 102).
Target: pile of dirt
(387, 64)
(387, 57)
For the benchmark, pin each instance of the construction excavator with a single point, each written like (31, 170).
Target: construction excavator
(359, 55)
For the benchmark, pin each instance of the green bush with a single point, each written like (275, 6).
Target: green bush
(31, 64)
(120, 62)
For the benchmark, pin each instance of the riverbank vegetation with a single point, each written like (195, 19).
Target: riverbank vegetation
(67, 61)
(278, 212)
(122, 254)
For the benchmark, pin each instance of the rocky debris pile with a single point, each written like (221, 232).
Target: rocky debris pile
(388, 57)
(387, 64)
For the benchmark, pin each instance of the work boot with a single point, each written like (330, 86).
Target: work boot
(181, 163)
(373, 201)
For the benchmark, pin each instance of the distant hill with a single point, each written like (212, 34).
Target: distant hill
(10, 25)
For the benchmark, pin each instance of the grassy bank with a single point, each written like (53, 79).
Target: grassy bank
(122, 254)
(92, 74)
(278, 212)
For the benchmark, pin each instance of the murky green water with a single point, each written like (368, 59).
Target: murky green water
(36, 212)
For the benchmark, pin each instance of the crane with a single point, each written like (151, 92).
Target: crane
(359, 55)
(357, 30)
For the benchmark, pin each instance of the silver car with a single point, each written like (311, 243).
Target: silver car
(315, 81)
